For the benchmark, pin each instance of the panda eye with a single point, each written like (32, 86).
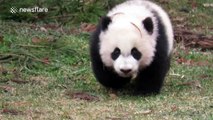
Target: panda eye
(115, 54)
(135, 53)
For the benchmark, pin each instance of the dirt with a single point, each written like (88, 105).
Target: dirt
(12, 111)
(192, 39)
(82, 96)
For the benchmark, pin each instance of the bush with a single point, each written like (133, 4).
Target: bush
(62, 11)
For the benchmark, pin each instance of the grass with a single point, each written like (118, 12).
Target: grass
(191, 14)
(40, 72)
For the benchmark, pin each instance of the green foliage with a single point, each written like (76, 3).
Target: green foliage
(74, 11)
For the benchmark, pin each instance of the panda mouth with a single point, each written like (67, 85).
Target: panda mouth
(125, 75)
(131, 75)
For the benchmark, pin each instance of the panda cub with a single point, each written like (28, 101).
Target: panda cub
(133, 44)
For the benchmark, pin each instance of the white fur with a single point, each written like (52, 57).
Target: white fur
(141, 9)
(126, 62)
(166, 21)
(122, 34)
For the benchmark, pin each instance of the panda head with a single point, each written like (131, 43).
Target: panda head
(127, 45)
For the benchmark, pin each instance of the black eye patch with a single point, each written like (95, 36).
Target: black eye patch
(115, 54)
(135, 53)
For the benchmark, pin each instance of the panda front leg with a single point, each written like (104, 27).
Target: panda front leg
(150, 80)
(147, 84)
(108, 78)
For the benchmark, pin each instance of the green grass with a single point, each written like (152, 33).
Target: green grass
(191, 14)
(40, 72)
(187, 92)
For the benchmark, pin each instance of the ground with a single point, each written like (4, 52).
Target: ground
(45, 73)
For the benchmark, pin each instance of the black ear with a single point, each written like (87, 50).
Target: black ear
(105, 22)
(148, 24)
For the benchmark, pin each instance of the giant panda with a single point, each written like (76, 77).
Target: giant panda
(132, 44)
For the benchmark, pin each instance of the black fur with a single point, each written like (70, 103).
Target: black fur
(106, 76)
(148, 25)
(149, 80)
(116, 53)
(105, 23)
(136, 54)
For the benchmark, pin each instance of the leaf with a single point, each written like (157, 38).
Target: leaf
(36, 40)
(194, 5)
(208, 44)
(18, 103)
(83, 96)
(145, 112)
(195, 83)
(185, 61)
(50, 26)
(208, 5)
(114, 118)
(19, 81)
(113, 96)
(46, 60)
(41, 80)
(192, 62)
(8, 89)
(174, 108)
(86, 27)
(3, 71)
(1, 39)
(12, 112)
(43, 29)
(203, 63)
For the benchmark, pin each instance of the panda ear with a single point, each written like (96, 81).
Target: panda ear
(105, 21)
(148, 25)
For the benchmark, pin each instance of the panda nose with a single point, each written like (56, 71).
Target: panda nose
(126, 71)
